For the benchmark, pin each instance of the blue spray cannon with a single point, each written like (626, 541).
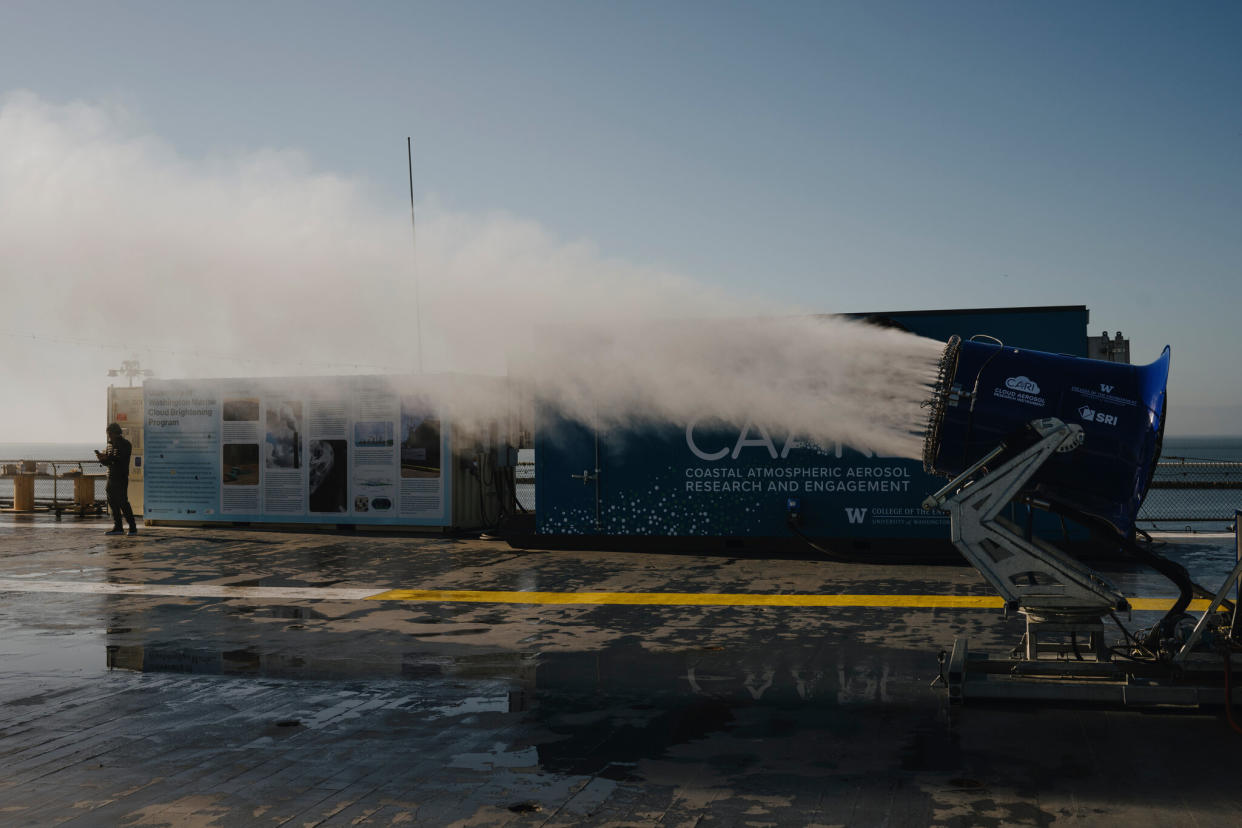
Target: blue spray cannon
(987, 395)
(1078, 437)
(1081, 438)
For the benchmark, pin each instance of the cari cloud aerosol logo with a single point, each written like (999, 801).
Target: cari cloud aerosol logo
(1021, 389)
(1092, 416)
(1024, 385)
(856, 514)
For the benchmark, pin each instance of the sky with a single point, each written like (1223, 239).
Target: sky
(221, 189)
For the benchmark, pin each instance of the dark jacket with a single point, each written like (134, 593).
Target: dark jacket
(116, 458)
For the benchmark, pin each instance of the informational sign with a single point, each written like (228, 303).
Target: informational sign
(721, 482)
(344, 450)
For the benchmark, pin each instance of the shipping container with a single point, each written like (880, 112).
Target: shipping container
(690, 485)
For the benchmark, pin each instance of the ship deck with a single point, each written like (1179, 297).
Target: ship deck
(222, 676)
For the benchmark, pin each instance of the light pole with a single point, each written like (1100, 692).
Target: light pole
(130, 368)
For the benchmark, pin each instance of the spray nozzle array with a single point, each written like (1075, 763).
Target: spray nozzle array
(939, 400)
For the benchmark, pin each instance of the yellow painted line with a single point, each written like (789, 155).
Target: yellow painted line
(185, 590)
(743, 599)
(1198, 604)
(667, 599)
(689, 599)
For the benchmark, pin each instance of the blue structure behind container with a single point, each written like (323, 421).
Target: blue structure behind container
(683, 482)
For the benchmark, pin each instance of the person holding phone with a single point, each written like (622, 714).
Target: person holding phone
(116, 459)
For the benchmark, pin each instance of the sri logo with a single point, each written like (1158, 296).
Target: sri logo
(1092, 416)
(855, 515)
(1024, 384)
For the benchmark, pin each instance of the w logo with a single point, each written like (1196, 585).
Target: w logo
(855, 515)
(1107, 389)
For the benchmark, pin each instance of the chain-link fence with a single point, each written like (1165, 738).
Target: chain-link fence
(524, 479)
(1188, 490)
(55, 485)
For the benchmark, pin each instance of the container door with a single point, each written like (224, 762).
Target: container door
(569, 485)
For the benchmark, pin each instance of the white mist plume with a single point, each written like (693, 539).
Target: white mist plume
(822, 379)
(256, 265)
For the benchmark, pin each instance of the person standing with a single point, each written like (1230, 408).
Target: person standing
(116, 459)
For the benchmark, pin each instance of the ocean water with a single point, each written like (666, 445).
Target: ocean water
(1203, 448)
(47, 489)
(10, 452)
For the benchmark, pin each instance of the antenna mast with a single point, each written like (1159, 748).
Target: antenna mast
(418, 308)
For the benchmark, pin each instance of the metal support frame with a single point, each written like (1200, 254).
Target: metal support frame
(1046, 639)
(1232, 581)
(1047, 672)
(1031, 574)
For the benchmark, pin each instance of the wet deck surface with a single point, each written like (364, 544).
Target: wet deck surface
(265, 704)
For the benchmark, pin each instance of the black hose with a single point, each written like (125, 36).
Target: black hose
(1187, 588)
(1175, 572)
(478, 475)
(827, 553)
(974, 388)
(1134, 644)
(510, 480)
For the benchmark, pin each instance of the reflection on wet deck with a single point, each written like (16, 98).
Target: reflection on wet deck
(245, 707)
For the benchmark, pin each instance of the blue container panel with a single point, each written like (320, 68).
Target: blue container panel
(679, 482)
(667, 482)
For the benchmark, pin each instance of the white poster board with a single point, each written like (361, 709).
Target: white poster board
(342, 450)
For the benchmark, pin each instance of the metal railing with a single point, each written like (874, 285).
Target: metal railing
(1182, 490)
(55, 483)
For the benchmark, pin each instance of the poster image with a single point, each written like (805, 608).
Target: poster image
(283, 444)
(373, 435)
(373, 494)
(240, 464)
(420, 439)
(328, 482)
(241, 409)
